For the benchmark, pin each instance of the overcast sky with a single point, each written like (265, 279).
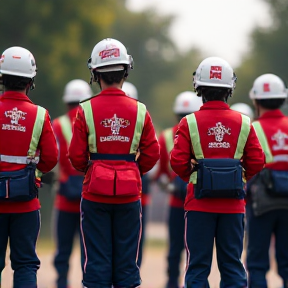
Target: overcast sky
(218, 27)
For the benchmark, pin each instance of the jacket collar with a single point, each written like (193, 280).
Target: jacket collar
(215, 105)
(275, 113)
(15, 96)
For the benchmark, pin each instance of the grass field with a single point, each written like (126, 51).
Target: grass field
(153, 270)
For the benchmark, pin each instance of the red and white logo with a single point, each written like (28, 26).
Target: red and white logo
(110, 53)
(266, 87)
(115, 124)
(280, 137)
(216, 72)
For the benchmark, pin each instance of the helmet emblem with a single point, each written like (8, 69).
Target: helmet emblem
(216, 72)
(266, 87)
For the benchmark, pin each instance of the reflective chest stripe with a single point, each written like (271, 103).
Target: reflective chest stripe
(66, 128)
(263, 141)
(196, 144)
(36, 134)
(169, 142)
(88, 112)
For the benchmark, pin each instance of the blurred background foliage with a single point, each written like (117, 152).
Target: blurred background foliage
(62, 34)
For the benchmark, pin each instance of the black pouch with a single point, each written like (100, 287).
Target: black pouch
(259, 190)
(277, 185)
(18, 185)
(219, 178)
(72, 188)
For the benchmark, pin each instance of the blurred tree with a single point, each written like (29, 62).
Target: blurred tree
(268, 52)
(60, 35)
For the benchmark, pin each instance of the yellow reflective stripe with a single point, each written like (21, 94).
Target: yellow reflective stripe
(37, 130)
(66, 127)
(91, 127)
(169, 141)
(194, 136)
(263, 141)
(141, 113)
(242, 139)
(193, 178)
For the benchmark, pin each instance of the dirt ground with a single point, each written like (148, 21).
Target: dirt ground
(153, 271)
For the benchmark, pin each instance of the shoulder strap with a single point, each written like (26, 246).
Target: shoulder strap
(66, 127)
(263, 141)
(37, 130)
(141, 113)
(243, 136)
(91, 127)
(169, 141)
(194, 136)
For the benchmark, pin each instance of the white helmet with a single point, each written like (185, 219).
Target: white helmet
(268, 86)
(130, 90)
(187, 102)
(214, 72)
(244, 109)
(18, 61)
(109, 55)
(76, 90)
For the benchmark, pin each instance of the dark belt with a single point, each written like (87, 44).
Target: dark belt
(125, 157)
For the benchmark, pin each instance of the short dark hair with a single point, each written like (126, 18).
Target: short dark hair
(214, 93)
(110, 77)
(271, 103)
(15, 83)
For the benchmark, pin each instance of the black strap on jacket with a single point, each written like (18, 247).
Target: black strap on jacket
(125, 157)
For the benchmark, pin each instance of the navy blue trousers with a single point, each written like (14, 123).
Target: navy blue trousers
(259, 232)
(200, 231)
(176, 245)
(142, 240)
(22, 230)
(111, 236)
(67, 225)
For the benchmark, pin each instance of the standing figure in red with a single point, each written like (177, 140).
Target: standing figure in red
(28, 149)
(185, 103)
(114, 143)
(267, 203)
(213, 148)
(67, 200)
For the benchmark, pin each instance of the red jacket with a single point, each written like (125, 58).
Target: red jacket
(275, 126)
(65, 167)
(17, 143)
(105, 106)
(210, 114)
(165, 168)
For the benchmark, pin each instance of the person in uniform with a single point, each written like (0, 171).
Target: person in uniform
(122, 146)
(213, 148)
(67, 200)
(185, 103)
(267, 202)
(28, 149)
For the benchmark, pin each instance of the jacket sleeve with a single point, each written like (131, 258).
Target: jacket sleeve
(48, 147)
(164, 161)
(78, 149)
(181, 154)
(148, 146)
(253, 156)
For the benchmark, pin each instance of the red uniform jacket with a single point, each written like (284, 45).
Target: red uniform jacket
(165, 168)
(275, 126)
(16, 137)
(65, 167)
(213, 114)
(105, 106)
